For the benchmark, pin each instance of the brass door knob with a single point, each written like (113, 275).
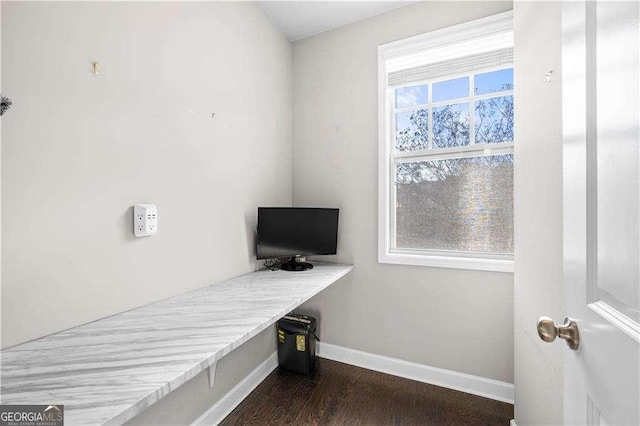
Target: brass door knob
(548, 331)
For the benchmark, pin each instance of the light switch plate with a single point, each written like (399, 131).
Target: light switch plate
(145, 220)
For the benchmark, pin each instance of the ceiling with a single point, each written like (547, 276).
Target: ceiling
(300, 19)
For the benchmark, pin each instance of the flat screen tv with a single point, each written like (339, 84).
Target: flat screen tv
(291, 232)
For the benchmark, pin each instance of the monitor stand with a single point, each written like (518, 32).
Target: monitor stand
(294, 264)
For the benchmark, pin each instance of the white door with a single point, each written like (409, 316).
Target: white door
(601, 115)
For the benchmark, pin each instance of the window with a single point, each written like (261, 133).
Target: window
(446, 147)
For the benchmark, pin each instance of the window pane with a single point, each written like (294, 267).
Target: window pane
(412, 130)
(451, 89)
(494, 81)
(462, 204)
(410, 96)
(493, 120)
(451, 125)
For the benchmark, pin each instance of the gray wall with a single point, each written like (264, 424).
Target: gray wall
(449, 318)
(0, 178)
(138, 141)
(539, 288)
(79, 150)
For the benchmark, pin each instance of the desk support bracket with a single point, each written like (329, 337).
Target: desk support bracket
(212, 374)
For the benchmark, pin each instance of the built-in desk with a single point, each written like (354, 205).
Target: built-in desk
(110, 370)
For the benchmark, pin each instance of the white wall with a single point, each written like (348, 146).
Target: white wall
(454, 319)
(539, 289)
(79, 150)
(0, 178)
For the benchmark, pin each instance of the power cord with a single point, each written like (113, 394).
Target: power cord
(273, 264)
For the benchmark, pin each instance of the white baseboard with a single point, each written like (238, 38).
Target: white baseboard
(235, 396)
(488, 388)
(512, 422)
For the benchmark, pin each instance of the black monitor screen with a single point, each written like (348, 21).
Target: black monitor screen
(286, 232)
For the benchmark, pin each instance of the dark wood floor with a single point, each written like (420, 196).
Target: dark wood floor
(341, 394)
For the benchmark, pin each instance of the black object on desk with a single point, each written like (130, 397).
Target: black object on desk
(295, 232)
(297, 339)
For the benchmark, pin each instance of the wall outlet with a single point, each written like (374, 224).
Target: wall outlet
(145, 220)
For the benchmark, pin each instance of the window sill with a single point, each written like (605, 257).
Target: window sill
(449, 261)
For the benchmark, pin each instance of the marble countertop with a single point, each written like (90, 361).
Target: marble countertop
(109, 370)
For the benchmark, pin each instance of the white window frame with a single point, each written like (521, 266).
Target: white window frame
(493, 31)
